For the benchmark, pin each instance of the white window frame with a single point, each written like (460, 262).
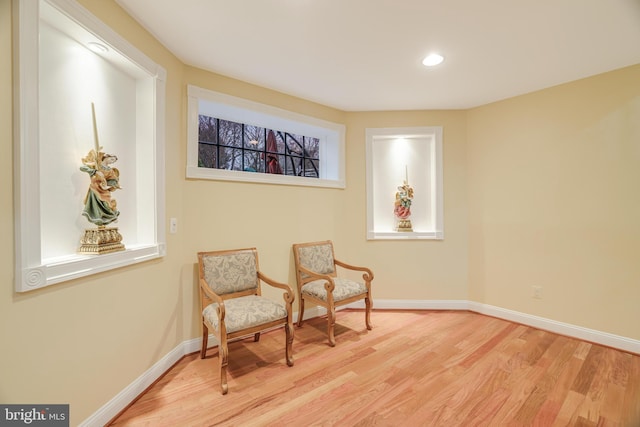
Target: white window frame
(32, 271)
(222, 106)
(392, 154)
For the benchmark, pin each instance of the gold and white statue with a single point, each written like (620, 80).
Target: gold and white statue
(100, 208)
(402, 205)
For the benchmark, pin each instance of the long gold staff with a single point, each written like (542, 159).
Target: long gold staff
(95, 136)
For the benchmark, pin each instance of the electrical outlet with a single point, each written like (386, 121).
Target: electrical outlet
(173, 225)
(537, 292)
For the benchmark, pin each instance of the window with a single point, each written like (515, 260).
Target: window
(223, 144)
(396, 155)
(235, 139)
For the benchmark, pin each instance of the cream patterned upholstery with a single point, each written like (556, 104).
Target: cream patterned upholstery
(345, 288)
(318, 258)
(232, 272)
(232, 305)
(246, 312)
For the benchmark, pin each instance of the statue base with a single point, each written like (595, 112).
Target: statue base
(404, 225)
(101, 240)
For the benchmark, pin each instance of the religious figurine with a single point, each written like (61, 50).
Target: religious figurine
(99, 207)
(402, 206)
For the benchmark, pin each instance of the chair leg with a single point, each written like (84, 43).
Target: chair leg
(288, 328)
(205, 340)
(223, 356)
(367, 318)
(301, 312)
(331, 323)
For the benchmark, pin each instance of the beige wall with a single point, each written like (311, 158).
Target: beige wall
(421, 269)
(554, 202)
(517, 213)
(225, 215)
(82, 342)
(272, 217)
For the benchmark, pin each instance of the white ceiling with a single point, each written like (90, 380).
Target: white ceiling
(362, 55)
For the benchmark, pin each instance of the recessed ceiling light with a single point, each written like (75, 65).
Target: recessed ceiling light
(98, 47)
(432, 60)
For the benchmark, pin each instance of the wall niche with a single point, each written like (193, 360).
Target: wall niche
(396, 155)
(65, 61)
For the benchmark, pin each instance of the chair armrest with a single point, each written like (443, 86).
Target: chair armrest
(209, 293)
(368, 273)
(213, 297)
(289, 296)
(329, 286)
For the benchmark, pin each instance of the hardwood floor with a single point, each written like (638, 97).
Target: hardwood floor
(415, 368)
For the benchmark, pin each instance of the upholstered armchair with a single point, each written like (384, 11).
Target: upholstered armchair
(232, 304)
(318, 282)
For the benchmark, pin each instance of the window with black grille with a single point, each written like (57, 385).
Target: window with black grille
(224, 144)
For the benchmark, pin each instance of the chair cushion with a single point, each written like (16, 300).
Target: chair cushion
(245, 312)
(345, 288)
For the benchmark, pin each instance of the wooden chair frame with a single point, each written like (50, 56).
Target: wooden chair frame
(208, 296)
(330, 304)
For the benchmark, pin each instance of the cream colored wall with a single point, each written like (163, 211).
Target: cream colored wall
(84, 341)
(227, 215)
(421, 269)
(554, 202)
(272, 217)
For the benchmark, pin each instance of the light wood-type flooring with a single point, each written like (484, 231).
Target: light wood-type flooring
(415, 368)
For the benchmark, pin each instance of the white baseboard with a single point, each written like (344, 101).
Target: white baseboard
(133, 390)
(591, 335)
(103, 415)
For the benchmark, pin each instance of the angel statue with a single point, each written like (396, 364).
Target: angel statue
(99, 207)
(402, 206)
